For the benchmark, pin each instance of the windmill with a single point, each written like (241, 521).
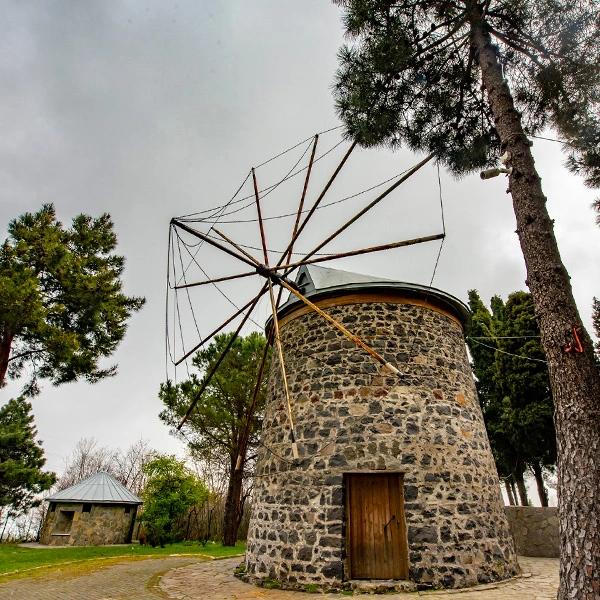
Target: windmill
(274, 277)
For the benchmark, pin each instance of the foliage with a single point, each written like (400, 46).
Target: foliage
(61, 304)
(224, 425)
(21, 458)
(514, 392)
(171, 489)
(410, 76)
(222, 410)
(16, 558)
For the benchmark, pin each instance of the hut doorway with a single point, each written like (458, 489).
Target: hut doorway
(376, 542)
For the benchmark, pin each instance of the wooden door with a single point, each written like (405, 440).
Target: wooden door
(375, 527)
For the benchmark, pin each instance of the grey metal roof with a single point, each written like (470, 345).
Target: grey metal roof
(316, 282)
(101, 488)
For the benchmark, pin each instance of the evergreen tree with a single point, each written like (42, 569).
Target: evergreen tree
(468, 81)
(225, 421)
(61, 305)
(21, 459)
(514, 392)
(525, 383)
(170, 491)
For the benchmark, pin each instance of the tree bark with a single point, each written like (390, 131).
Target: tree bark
(233, 502)
(539, 480)
(509, 492)
(5, 346)
(522, 489)
(574, 376)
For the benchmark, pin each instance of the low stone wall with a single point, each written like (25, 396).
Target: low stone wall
(535, 530)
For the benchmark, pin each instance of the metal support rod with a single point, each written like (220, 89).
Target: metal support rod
(275, 320)
(210, 241)
(317, 201)
(217, 280)
(209, 376)
(428, 238)
(341, 328)
(231, 318)
(371, 205)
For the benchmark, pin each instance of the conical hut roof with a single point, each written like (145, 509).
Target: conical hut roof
(100, 488)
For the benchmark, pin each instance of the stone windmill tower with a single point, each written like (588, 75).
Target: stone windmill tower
(395, 478)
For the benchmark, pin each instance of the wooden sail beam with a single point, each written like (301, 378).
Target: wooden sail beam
(231, 318)
(369, 206)
(317, 202)
(401, 244)
(275, 321)
(213, 370)
(259, 377)
(302, 198)
(380, 359)
(217, 280)
(211, 241)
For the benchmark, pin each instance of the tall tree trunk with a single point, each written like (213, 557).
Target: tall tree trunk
(233, 502)
(509, 492)
(574, 376)
(539, 480)
(5, 346)
(522, 488)
(513, 487)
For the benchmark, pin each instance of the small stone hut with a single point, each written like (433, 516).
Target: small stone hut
(395, 478)
(98, 510)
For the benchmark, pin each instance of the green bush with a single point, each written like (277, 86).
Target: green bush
(170, 491)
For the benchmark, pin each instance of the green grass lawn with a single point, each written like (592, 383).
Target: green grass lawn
(13, 558)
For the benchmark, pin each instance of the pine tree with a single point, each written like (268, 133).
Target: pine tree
(61, 305)
(225, 421)
(21, 458)
(469, 80)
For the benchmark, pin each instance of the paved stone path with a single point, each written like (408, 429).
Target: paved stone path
(214, 580)
(188, 578)
(126, 580)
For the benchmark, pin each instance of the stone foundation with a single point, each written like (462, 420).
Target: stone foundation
(352, 417)
(103, 524)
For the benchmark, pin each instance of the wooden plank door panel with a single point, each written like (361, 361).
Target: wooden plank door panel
(376, 534)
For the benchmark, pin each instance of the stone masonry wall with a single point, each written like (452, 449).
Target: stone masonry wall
(352, 417)
(105, 524)
(535, 530)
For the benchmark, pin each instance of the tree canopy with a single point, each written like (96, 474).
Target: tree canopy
(21, 458)
(62, 308)
(225, 423)
(513, 386)
(170, 491)
(469, 81)
(410, 75)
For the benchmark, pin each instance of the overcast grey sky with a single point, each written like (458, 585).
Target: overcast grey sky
(149, 110)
